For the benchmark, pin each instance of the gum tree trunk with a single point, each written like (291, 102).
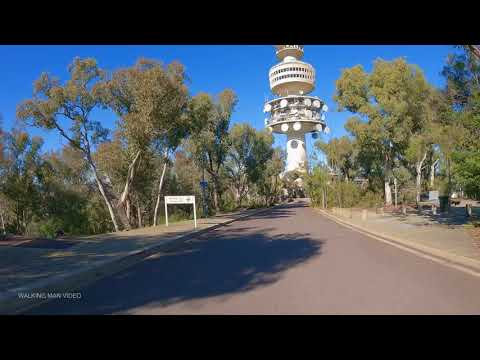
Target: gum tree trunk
(128, 211)
(130, 176)
(388, 193)
(432, 174)
(418, 169)
(3, 222)
(215, 194)
(101, 188)
(157, 204)
(139, 215)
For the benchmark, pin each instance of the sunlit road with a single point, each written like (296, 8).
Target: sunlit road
(288, 260)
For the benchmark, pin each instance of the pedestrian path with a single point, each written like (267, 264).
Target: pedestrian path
(414, 228)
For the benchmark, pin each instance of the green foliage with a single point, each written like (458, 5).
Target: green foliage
(99, 183)
(467, 172)
(22, 169)
(210, 146)
(341, 155)
(317, 186)
(73, 102)
(48, 228)
(370, 199)
(395, 114)
(268, 185)
(247, 159)
(345, 194)
(325, 191)
(460, 144)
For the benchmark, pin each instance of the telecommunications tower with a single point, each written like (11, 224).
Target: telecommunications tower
(293, 112)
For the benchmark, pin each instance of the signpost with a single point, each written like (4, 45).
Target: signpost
(181, 200)
(204, 185)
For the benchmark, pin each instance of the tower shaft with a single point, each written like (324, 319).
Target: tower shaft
(296, 153)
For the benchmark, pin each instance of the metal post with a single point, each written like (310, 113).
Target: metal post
(195, 212)
(166, 213)
(204, 197)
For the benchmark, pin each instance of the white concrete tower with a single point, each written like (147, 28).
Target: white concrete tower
(293, 112)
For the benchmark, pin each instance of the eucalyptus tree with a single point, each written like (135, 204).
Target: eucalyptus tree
(238, 160)
(425, 137)
(341, 155)
(473, 49)
(70, 198)
(2, 172)
(210, 146)
(462, 121)
(247, 158)
(389, 105)
(68, 109)
(20, 178)
(269, 184)
(317, 185)
(416, 154)
(151, 101)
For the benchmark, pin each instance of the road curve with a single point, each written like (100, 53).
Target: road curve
(287, 260)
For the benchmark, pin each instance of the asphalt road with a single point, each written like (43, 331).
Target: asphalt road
(288, 260)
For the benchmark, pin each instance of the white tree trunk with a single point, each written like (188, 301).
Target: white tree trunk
(418, 169)
(130, 176)
(432, 174)
(139, 215)
(388, 193)
(3, 222)
(216, 200)
(105, 198)
(396, 191)
(418, 184)
(128, 210)
(157, 205)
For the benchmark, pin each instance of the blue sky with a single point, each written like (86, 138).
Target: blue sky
(211, 69)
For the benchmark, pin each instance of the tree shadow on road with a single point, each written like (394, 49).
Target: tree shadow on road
(222, 262)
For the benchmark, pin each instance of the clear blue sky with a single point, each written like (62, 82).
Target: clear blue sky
(211, 69)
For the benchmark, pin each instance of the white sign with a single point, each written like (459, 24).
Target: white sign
(181, 200)
(433, 195)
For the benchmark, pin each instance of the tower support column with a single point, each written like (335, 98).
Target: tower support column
(296, 152)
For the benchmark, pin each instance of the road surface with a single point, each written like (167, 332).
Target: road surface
(288, 260)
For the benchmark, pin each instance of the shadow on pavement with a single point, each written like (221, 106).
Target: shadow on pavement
(282, 211)
(226, 261)
(55, 256)
(48, 244)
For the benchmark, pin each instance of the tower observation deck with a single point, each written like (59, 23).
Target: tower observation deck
(293, 112)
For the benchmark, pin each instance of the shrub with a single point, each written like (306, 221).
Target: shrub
(345, 194)
(371, 199)
(48, 228)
